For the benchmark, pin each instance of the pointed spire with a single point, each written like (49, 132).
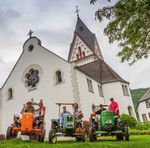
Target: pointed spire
(77, 10)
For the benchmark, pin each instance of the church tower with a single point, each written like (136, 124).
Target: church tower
(84, 47)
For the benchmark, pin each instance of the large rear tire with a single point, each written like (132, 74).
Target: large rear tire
(52, 136)
(126, 133)
(9, 133)
(92, 137)
(42, 136)
(84, 137)
(119, 137)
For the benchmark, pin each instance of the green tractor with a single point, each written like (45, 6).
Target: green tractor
(107, 125)
(70, 128)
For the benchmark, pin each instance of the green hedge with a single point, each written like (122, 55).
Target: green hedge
(128, 120)
(143, 126)
(135, 128)
(139, 132)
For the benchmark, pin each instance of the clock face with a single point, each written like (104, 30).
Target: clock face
(32, 78)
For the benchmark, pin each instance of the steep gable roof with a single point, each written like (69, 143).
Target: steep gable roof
(101, 72)
(85, 34)
(145, 97)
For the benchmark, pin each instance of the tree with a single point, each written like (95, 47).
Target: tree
(130, 25)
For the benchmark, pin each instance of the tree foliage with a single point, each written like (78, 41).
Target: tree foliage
(130, 25)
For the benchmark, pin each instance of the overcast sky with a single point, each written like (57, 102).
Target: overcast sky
(53, 22)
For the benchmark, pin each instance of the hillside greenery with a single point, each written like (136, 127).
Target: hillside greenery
(137, 94)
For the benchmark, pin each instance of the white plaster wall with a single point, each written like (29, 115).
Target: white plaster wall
(87, 98)
(46, 89)
(114, 90)
(142, 109)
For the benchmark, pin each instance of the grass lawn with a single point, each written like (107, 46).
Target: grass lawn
(107, 142)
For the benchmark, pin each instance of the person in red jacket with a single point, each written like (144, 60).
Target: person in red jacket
(114, 106)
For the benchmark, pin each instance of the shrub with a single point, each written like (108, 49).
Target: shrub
(128, 120)
(143, 126)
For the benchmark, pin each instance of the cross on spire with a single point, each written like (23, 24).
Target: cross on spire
(77, 10)
(30, 33)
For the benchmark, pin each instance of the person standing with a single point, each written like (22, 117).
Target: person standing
(63, 114)
(114, 106)
(42, 109)
(77, 111)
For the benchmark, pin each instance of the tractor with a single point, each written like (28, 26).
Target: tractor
(108, 124)
(28, 125)
(71, 127)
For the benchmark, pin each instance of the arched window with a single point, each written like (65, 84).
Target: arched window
(77, 56)
(58, 77)
(83, 54)
(10, 93)
(130, 110)
(93, 108)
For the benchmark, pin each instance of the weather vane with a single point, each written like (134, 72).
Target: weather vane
(77, 10)
(30, 33)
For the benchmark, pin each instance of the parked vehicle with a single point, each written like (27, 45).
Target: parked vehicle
(28, 125)
(107, 124)
(71, 127)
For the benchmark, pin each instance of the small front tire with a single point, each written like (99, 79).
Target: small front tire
(126, 133)
(9, 133)
(52, 136)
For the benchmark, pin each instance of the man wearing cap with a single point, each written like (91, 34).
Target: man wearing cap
(114, 106)
(29, 108)
(101, 108)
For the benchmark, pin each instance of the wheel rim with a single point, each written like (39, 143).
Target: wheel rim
(54, 139)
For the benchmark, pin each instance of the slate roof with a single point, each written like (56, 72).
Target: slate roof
(100, 71)
(146, 96)
(84, 33)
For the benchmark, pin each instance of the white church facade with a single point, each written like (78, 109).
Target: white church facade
(84, 78)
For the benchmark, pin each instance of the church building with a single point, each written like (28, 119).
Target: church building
(85, 78)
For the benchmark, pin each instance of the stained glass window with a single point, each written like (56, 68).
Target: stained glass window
(32, 78)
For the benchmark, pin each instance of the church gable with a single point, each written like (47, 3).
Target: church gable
(84, 43)
(79, 50)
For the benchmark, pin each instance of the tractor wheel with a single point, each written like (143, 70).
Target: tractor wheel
(119, 137)
(91, 135)
(126, 133)
(9, 132)
(42, 136)
(84, 137)
(52, 136)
